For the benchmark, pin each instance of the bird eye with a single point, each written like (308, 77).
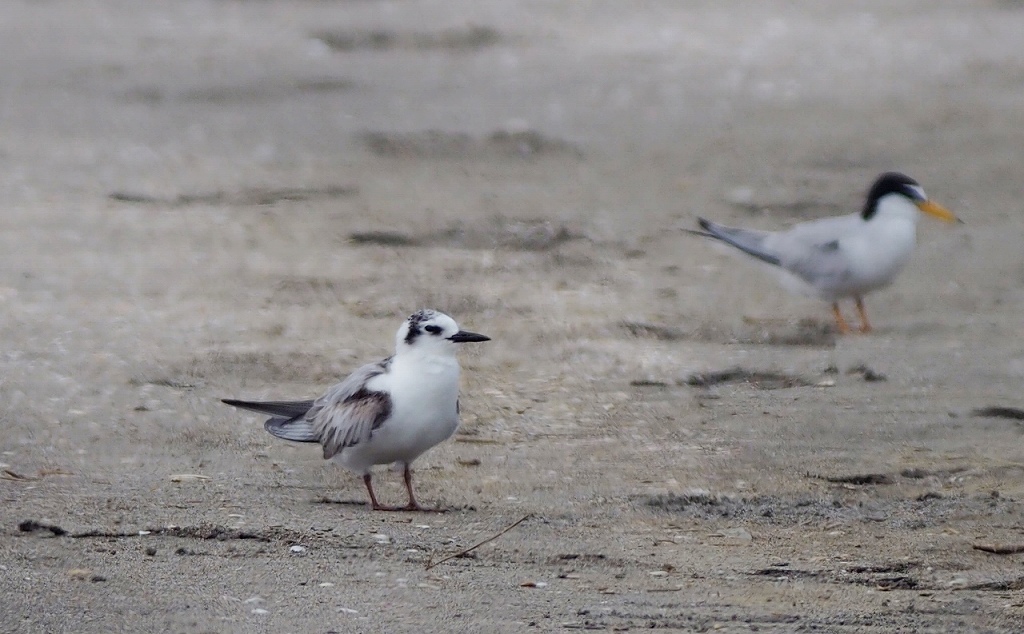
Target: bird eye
(432, 329)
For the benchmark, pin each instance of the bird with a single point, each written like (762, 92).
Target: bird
(845, 256)
(390, 411)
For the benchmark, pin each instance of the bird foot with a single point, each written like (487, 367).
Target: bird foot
(414, 506)
(408, 508)
(391, 509)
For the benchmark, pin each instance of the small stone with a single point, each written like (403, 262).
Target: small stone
(381, 538)
(738, 533)
(297, 550)
(189, 477)
(875, 514)
(260, 611)
(151, 551)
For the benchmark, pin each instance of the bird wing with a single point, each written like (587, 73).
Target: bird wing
(813, 251)
(285, 409)
(346, 406)
(288, 418)
(823, 266)
(349, 412)
(747, 240)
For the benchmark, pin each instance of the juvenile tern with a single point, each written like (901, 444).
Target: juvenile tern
(845, 256)
(391, 411)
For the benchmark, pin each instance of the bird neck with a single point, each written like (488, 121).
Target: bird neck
(895, 208)
(419, 355)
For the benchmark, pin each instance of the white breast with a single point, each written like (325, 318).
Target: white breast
(424, 394)
(880, 253)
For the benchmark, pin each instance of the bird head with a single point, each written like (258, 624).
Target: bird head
(433, 331)
(895, 195)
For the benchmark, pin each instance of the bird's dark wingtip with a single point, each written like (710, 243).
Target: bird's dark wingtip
(704, 231)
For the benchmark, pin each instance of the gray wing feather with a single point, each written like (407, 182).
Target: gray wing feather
(343, 417)
(749, 241)
(287, 422)
(292, 429)
(820, 265)
(284, 409)
(349, 412)
(811, 251)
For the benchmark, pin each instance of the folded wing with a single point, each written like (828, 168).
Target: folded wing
(343, 417)
(349, 412)
(811, 251)
(814, 251)
(749, 241)
(288, 420)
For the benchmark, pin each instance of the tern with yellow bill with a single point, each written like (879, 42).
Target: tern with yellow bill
(846, 256)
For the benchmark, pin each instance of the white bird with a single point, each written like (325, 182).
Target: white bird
(845, 256)
(391, 411)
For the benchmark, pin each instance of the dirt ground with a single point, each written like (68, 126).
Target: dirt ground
(244, 198)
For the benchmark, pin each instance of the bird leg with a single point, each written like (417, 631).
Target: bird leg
(374, 504)
(840, 322)
(865, 325)
(413, 504)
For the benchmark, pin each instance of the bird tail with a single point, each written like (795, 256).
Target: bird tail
(750, 242)
(288, 422)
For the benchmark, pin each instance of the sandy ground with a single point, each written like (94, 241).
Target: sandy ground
(214, 198)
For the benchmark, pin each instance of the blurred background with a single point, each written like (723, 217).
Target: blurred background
(244, 198)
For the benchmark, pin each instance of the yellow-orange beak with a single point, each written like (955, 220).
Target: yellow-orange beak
(937, 210)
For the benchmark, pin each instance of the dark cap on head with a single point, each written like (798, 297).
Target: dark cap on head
(889, 183)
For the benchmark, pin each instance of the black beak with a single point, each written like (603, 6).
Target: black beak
(464, 336)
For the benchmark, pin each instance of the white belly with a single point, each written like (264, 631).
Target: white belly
(424, 413)
(866, 261)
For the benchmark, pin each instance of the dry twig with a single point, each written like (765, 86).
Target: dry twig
(431, 564)
(1001, 549)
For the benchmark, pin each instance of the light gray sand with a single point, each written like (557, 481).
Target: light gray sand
(180, 182)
